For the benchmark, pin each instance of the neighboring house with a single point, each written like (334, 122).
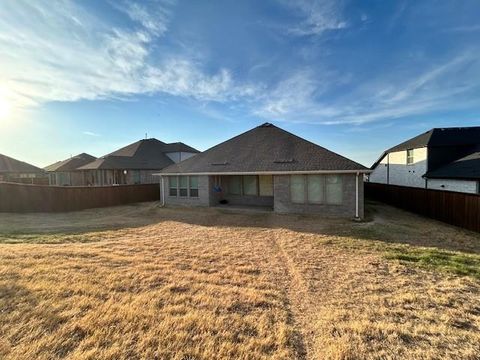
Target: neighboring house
(135, 163)
(13, 170)
(441, 158)
(268, 167)
(63, 173)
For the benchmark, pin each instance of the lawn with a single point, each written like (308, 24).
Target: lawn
(140, 281)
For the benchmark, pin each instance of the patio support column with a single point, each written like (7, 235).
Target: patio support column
(356, 195)
(162, 191)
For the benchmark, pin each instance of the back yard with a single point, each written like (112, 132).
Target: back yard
(144, 282)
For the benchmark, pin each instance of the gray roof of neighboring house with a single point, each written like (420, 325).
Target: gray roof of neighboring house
(265, 148)
(442, 137)
(72, 163)
(180, 147)
(437, 137)
(147, 154)
(10, 165)
(467, 168)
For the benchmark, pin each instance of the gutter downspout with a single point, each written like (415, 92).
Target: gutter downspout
(356, 197)
(162, 191)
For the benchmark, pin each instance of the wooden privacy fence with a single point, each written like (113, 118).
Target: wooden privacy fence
(40, 198)
(455, 208)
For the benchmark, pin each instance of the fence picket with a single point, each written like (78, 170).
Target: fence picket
(40, 198)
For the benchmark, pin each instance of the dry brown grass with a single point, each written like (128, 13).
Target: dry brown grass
(204, 284)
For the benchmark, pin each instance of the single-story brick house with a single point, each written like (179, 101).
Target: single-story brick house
(13, 170)
(63, 173)
(135, 163)
(268, 167)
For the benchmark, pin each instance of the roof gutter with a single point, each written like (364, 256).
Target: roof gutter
(366, 171)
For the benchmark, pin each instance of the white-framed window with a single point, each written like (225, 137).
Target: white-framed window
(410, 158)
(193, 186)
(334, 189)
(172, 185)
(183, 186)
(297, 188)
(316, 189)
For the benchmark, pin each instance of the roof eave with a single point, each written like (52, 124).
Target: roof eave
(297, 172)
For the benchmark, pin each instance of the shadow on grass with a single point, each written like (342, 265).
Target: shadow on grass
(396, 233)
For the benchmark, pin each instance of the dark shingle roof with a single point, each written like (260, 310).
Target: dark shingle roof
(265, 148)
(71, 164)
(180, 147)
(10, 165)
(438, 137)
(442, 137)
(148, 154)
(467, 167)
(418, 141)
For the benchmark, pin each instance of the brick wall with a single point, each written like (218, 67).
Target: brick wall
(203, 198)
(464, 186)
(398, 172)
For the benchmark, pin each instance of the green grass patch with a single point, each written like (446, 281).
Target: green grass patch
(454, 262)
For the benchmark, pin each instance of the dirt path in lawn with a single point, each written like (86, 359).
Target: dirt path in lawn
(298, 297)
(309, 281)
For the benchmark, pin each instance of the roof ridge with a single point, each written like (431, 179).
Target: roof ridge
(454, 127)
(260, 148)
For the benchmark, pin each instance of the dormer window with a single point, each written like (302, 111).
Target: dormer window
(409, 156)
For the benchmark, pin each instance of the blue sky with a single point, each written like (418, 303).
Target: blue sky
(354, 76)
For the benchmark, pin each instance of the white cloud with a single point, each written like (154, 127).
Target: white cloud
(154, 18)
(90, 133)
(60, 52)
(291, 95)
(468, 28)
(303, 97)
(318, 16)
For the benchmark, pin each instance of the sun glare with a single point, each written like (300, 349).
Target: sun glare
(5, 107)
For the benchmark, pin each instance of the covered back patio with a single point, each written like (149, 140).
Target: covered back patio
(254, 191)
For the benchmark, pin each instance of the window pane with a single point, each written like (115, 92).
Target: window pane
(297, 188)
(183, 185)
(410, 156)
(266, 185)
(193, 182)
(193, 186)
(315, 188)
(334, 189)
(135, 176)
(250, 185)
(172, 185)
(183, 182)
(234, 185)
(193, 192)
